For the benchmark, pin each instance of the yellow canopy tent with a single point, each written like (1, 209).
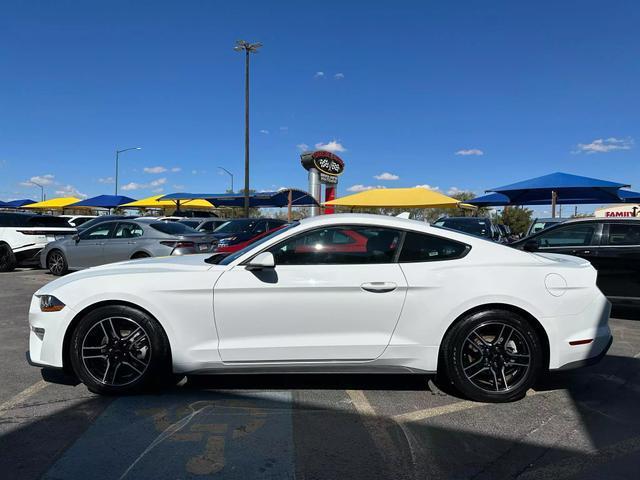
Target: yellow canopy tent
(52, 204)
(417, 197)
(152, 202)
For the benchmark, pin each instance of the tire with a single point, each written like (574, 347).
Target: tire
(7, 258)
(57, 263)
(139, 255)
(125, 351)
(492, 356)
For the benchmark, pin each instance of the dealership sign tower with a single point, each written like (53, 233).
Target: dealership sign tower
(324, 168)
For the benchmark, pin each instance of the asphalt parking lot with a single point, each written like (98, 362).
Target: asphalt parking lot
(579, 424)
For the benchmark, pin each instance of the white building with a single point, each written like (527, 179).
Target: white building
(621, 210)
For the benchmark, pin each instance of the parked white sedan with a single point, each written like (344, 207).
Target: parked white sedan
(336, 293)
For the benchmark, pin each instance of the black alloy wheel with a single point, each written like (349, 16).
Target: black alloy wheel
(119, 349)
(7, 258)
(492, 356)
(57, 263)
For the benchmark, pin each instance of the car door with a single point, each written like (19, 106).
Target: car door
(122, 244)
(581, 239)
(327, 304)
(88, 250)
(619, 259)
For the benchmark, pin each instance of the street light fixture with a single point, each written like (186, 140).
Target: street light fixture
(248, 48)
(230, 174)
(118, 152)
(41, 189)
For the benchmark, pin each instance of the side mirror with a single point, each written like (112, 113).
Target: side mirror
(531, 246)
(262, 261)
(76, 238)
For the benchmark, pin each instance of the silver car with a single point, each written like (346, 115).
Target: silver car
(120, 240)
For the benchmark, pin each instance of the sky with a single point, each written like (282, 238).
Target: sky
(454, 95)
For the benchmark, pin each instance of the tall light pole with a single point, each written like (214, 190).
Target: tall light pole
(248, 48)
(41, 189)
(118, 152)
(228, 173)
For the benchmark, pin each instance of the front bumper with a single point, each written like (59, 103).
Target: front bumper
(46, 335)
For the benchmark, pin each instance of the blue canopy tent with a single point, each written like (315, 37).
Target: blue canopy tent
(103, 201)
(561, 188)
(628, 196)
(19, 203)
(3, 204)
(287, 197)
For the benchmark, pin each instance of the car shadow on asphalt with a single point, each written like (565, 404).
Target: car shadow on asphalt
(582, 423)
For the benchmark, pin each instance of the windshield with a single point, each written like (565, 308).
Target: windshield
(471, 226)
(97, 220)
(222, 260)
(235, 226)
(172, 228)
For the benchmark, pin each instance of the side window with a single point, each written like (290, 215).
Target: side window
(128, 230)
(577, 235)
(326, 246)
(624, 234)
(419, 247)
(101, 231)
(260, 227)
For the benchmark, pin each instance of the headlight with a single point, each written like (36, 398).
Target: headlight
(49, 303)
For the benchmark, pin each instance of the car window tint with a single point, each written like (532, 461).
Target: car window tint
(419, 247)
(580, 234)
(47, 221)
(128, 230)
(624, 234)
(99, 232)
(326, 246)
(172, 228)
(14, 220)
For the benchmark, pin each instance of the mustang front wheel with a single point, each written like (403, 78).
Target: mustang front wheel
(119, 349)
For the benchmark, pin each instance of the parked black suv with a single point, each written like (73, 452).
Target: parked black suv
(611, 245)
(478, 226)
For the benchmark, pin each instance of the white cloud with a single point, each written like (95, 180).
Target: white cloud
(387, 176)
(132, 186)
(470, 151)
(158, 190)
(142, 186)
(43, 180)
(70, 191)
(339, 76)
(319, 75)
(178, 186)
(303, 147)
(264, 132)
(106, 180)
(363, 188)
(604, 145)
(284, 129)
(332, 146)
(194, 172)
(158, 169)
(176, 169)
(428, 187)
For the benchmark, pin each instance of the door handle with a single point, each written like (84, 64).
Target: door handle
(379, 287)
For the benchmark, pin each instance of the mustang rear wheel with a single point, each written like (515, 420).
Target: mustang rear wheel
(118, 350)
(492, 356)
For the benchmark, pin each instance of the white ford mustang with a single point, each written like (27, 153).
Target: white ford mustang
(335, 293)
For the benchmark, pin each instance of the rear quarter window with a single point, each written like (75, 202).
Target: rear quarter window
(420, 247)
(47, 221)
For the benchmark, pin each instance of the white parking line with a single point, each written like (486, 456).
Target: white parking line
(445, 409)
(22, 396)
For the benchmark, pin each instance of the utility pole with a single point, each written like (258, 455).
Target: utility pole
(41, 189)
(248, 48)
(230, 174)
(118, 152)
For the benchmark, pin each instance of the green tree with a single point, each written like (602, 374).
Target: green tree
(517, 219)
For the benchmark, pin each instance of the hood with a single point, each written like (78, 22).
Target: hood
(184, 263)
